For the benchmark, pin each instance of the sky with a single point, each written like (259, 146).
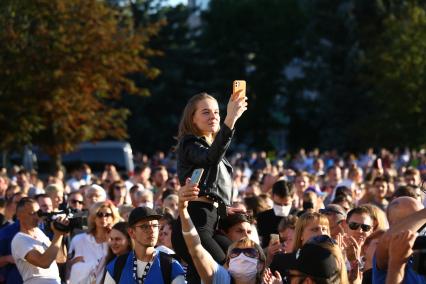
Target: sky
(175, 2)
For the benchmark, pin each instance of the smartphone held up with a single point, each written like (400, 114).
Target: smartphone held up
(239, 86)
(274, 238)
(196, 176)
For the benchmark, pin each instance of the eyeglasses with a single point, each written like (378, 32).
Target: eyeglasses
(75, 201)
(146, 227)
(250, 252)
(101, 214)
(355, 226)
(322, 239)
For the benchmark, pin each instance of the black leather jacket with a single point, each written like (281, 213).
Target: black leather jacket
(194, 152)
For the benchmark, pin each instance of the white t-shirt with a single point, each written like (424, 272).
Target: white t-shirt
(31, 274)
(94, 259)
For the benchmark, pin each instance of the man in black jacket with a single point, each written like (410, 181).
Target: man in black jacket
(267, 221)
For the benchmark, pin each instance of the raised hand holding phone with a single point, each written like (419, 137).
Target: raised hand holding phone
(190, 190)
(274, 238)
(239, 86)
(196, 176)
(237, 104)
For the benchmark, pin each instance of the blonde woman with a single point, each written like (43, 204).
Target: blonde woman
(203, 142)
(309, 225)
(88, 250)
(319, 260)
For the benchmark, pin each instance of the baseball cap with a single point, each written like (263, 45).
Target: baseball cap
(314, 260)
(334, 209)
(143, 212)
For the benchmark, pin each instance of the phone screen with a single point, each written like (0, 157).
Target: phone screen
(196, 175)
(274, 237)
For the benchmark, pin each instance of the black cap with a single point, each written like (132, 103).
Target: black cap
(314, 260)
(141, 213)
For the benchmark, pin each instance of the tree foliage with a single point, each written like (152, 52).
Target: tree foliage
(335, 101)
(360, 70)
(365, 60)
(154, 120)
(64, 66)
(396, 68)
(330, 65)
(253, 40)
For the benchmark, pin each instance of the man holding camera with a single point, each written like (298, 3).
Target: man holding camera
(32, 250)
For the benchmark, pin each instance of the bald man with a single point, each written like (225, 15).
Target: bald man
(404, 213)
(401, 208)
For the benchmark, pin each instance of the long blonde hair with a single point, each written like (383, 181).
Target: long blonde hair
(303, 222)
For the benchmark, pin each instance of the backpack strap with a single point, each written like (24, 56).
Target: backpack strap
(166, 267)
(118, 267)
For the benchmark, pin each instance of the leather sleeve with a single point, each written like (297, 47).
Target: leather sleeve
(202, 156)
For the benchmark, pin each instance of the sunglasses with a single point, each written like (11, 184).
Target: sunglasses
(119, 187)
(100, 214)
(75, 201)
(249, 252)
(355, 226)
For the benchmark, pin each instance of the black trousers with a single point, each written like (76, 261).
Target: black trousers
(205, 218)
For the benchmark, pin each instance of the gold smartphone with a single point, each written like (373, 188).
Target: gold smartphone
(239, 85)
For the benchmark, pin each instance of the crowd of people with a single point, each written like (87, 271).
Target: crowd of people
(312, 217)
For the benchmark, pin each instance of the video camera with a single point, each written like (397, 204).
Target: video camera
(75, 217)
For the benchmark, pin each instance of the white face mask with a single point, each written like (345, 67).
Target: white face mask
(281, 210)
(243, 268)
